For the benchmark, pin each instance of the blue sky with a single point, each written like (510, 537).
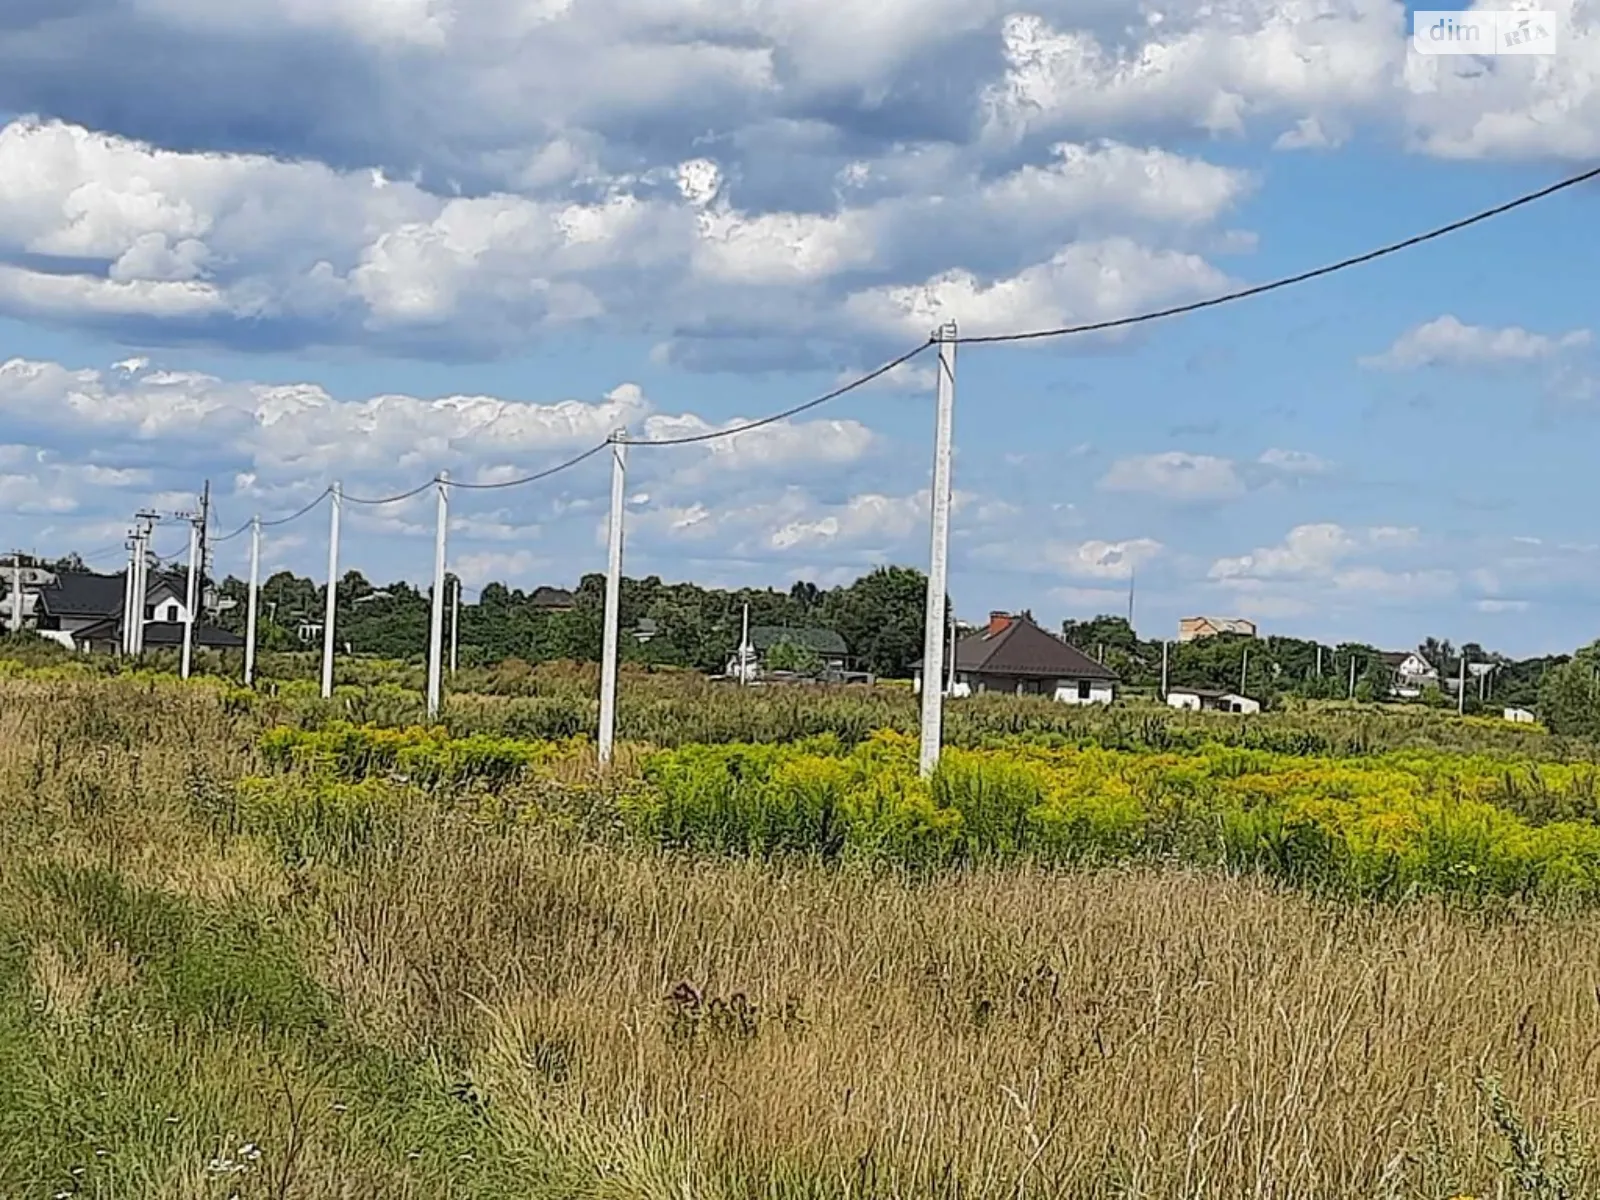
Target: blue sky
(476, 233)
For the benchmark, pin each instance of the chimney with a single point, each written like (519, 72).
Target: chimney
(999, 622)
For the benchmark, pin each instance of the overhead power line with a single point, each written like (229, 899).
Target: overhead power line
(844, 389)
(1290, 280)
(536, 476)
(861, 381)
(395, 499)
(295, 516)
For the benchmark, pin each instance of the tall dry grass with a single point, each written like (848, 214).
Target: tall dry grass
(460, 1005)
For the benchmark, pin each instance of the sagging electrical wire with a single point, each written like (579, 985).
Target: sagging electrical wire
(842, 390)
(1260, 289)
(536, 476)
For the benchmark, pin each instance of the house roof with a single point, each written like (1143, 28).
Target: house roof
(163, 633)
(549, 597)
(83, 594)
(823, 641)
(1207, 694)
(87, 594)
(1218, 624)
(1393, 658)
(1022, 648)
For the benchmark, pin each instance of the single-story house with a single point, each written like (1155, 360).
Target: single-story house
(1014, 656)
(1412, 673)
(106, 638)
(1520, 716)
(1200, 700)
(830, 650)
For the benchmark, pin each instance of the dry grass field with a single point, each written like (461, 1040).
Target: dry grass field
(472, 995)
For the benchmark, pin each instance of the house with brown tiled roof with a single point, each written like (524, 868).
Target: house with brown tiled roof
(1013, 656)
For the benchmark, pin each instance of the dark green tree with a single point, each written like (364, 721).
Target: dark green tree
(880, 616)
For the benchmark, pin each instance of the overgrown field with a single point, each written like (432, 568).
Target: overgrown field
(274, 946)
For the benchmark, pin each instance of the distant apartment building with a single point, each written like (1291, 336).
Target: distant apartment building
(1192, 629)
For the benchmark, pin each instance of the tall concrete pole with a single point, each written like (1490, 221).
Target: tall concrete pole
(436, 618)
(16, 592)
(191, 599)
(141, 585)
(137, 590)
(333, 592)
(608, 653)
(744, 648)
(253, 602)
(127, 594)
(938, 556)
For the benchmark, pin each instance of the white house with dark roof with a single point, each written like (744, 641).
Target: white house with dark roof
(1413, 674)
(1013, 656)
(84, 610)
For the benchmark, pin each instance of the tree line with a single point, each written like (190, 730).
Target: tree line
(879, 615)
(1271, 668)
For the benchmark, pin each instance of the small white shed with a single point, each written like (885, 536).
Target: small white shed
(1198, 700)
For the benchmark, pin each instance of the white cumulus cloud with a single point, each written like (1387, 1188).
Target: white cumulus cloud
(1449, 342)
(1175, 475)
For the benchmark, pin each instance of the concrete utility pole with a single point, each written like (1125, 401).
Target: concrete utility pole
(1244, 673)
(127, 591)
(192, 598)
(1352, 677)
(938, 555)
(254, 600)
(16, 591)
(205, 538)
(455, 629)
(613, 613)
(1319, 660)
(141, 577)
(333, 592)
(1164, 645)
(1461, 689)
(436, 617)
(744, 648)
